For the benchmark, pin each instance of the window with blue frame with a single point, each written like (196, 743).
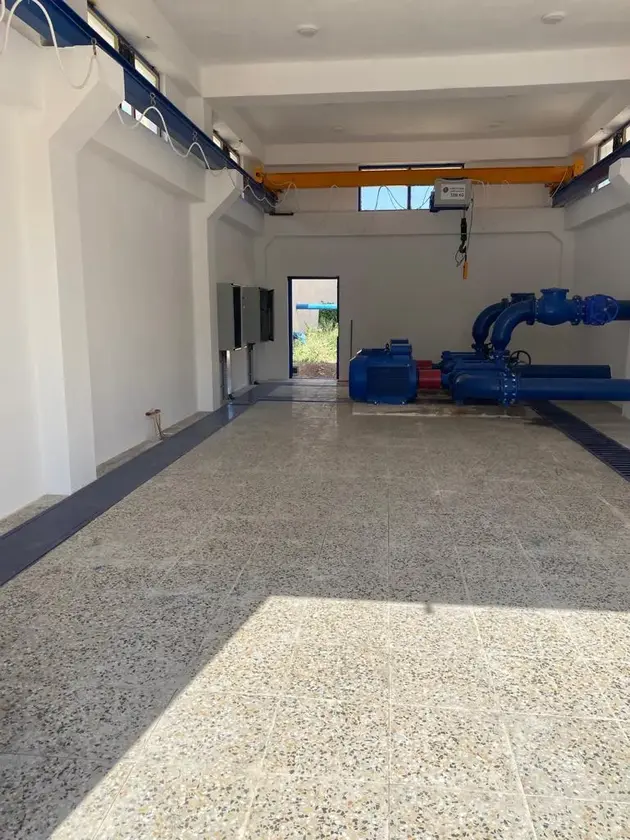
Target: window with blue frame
(397, 197)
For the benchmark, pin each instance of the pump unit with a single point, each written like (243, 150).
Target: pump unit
(491, 372)
(384, 375)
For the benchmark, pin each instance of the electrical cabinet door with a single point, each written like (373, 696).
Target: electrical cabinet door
(250, 297)
(227, 327)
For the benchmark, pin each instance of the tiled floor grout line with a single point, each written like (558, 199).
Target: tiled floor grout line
(500, 714)
(115, 799)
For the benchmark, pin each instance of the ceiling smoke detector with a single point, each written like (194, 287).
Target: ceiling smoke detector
(307, 30)
(551, 18)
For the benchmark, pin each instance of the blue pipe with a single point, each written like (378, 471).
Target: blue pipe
(484, 321)
(624, 310)
(564, 371)
(507, 388)
(524, 371)
(324, 306)
(553, 308)
(487, 317)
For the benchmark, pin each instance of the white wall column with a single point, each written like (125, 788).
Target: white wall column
(220, 195)
(50, 144)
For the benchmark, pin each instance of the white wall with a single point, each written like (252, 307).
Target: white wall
(602, 264)
(139, 302)
(19, 443)
(235, 264)
(398, 277)
(311, 291)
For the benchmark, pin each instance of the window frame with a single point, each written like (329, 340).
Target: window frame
(619, 138)
(134, 57)
(398, 167)
(230, 151)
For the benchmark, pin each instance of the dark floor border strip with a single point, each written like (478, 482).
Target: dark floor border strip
(604, 448)
(30, 541)
(272, 398)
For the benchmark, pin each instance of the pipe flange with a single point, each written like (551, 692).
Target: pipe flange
(509, 386)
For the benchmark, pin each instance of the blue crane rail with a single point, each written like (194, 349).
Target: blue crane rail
(585, 183)
(72, 30)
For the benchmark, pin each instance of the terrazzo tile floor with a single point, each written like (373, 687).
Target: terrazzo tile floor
(320, 625)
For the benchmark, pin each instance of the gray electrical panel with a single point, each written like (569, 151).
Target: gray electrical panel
(250, 297)
(229, 316)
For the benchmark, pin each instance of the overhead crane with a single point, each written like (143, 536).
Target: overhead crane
(552, 176)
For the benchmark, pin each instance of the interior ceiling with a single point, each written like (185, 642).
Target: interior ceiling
(536, 113)
(241, 31)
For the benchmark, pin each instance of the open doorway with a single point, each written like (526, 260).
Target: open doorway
(314, 327)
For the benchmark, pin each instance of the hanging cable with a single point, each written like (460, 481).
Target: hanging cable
(53, 37)
(194, 145)
(461, 255)
(81, 85)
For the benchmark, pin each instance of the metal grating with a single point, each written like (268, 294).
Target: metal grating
(609, 451)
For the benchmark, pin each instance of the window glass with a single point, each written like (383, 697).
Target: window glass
(384, 198)
(399, 197)
(102, 29)
(606, 148)
(421, 197)
(149, 74)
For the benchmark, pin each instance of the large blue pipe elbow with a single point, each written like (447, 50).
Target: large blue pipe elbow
(483, 323)
(487, 317)
(508, 320)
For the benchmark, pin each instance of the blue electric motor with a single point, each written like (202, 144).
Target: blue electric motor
(384, 375)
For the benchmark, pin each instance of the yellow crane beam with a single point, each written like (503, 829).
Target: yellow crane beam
(553, 176)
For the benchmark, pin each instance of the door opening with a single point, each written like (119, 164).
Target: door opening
(314, 327)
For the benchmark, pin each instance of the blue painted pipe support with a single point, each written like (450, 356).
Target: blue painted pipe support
(553, 308)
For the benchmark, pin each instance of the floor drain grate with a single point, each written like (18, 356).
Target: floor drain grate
(609, 451)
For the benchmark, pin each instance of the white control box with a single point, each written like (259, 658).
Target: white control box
(452, 195)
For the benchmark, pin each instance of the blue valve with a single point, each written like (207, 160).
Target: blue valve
(599, 310)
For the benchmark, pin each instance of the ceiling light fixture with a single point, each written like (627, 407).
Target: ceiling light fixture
(307, 30)
(551, 18)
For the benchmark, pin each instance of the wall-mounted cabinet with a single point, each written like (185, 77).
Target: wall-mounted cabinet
(266, 314)
(250, 296)
(229, 316)
(245, 315)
